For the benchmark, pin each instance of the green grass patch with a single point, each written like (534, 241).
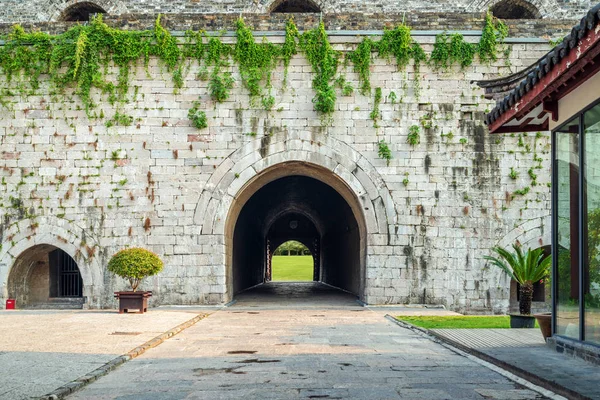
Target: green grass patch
(459, 321)
(292, 268)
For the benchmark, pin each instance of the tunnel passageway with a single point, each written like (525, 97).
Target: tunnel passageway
(306, 210)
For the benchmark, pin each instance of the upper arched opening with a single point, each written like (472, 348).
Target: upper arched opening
(81, 11)
(515, 9)
(295, 6)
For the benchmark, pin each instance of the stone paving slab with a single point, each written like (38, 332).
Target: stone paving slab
(525, 350)
(41, 350)
(263, 353)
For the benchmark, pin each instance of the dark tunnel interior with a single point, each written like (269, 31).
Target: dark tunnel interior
(303, 209)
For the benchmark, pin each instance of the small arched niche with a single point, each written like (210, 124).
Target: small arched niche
(295, 6)
(515, 9)
(81, 12)
(44, 276)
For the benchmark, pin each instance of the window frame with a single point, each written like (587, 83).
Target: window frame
(581, 217)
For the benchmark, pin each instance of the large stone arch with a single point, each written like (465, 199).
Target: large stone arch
(261, 161)
(352, 168)
(544, 8)
(48, 230)
(56, 9)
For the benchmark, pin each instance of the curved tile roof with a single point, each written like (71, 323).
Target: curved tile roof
(546, 64)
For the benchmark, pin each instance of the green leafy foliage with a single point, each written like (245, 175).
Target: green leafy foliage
(405, 181)
(290, 46)
(375, 114)
(256, 61)
(291, 248)
(383, 150)
(324, 61)
(493, 35)
(135, 264)
(347, 89)
(521, 192)
(523, 267)
(533, 176)
(361, 59)
(451, 49)
(394, 42)
(197, 116)
(513, 174)
(119, 120)
(414, 137)
(220, 85)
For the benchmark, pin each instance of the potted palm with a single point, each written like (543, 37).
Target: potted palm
(525, 268)
(134, 264)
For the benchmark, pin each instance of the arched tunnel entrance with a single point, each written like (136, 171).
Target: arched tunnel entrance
(303, 208)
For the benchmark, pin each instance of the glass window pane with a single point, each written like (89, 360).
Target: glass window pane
(591, 269)
(567, 186)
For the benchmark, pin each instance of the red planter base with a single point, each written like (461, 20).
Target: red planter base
(133, 301)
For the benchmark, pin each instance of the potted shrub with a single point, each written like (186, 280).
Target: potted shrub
(525, 268)
(134, 264)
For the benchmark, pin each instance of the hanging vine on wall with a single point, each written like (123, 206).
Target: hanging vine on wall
(324, 61)
(256, 61)
(79, 58)
(451, 49)
(493, 35)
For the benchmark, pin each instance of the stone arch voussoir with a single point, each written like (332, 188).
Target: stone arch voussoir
(244, 164)
(532, 234)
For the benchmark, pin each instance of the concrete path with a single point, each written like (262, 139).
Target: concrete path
(43, 350)
(305, 349)
(524, 352)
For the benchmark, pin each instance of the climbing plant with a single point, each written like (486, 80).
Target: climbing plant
(375, 115)
(79, 58)
(383, 151)
(451, 49)
(256, 61)
(324, 60)
(493, 35)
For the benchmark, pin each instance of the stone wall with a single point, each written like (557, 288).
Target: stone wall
(431, 214)
(52, 10)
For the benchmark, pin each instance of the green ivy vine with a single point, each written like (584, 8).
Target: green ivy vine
(324, 61)
(451, 49)
(79, 59)
(493, 35)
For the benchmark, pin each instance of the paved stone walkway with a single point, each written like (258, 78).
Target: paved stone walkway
(304, 350)
(525, 350)
(42, 350)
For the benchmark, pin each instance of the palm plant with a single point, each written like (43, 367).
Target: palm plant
(525, 268)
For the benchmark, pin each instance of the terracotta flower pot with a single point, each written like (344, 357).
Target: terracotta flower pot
(545, 322)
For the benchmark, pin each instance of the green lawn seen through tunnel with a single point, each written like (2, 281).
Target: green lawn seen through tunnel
(292, 268)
